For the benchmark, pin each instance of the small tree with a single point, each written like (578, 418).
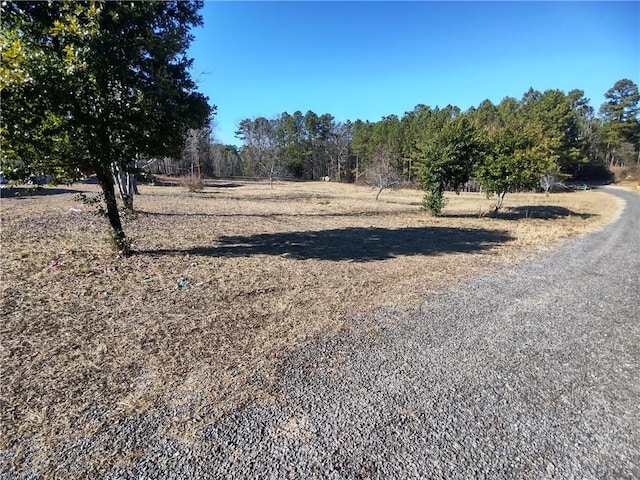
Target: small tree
(550, 180)
(446, 161)
(381, 174)
(516, 157)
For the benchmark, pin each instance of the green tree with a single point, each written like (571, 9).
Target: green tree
(446, 160)
(485, 115)
(316, 132)
(292, 142)
(362, 146)
(91, 86)
(620, 123)
(508, 111)
(384, 139)
(583, 132)
(420, 127)
(388, 137)
(622, 102)
(516, 155)
(416, 124)
(563, 118)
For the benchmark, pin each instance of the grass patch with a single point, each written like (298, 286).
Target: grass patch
(223, 285)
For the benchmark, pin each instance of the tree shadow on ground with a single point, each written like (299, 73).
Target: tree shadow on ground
(354, 244)
(206, 184)
(270, 215)
(224, 185)
(547, 212)
(22, 192)
(538, 212)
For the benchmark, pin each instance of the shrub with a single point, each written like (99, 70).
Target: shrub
(192, 183)
(434, 203)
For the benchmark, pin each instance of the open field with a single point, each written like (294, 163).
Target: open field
(223, 285)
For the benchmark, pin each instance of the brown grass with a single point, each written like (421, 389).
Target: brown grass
(225, 283)
(627, 177)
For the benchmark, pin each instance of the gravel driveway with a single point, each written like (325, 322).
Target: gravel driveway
(533, 372)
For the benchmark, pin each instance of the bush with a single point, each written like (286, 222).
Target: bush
(434, 203)
(192, 183)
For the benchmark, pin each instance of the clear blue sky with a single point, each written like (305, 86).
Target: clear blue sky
(365, 60)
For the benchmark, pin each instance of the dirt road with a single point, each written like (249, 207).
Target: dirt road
(532, 373)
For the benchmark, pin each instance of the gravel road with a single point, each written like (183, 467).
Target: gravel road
(533, 372)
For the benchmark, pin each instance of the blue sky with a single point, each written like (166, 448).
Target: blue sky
(370, 59)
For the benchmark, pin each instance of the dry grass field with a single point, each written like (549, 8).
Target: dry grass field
(223, 285)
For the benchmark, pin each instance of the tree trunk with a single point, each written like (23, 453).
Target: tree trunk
(610, 157)
(499, 201)
(105, 178)
(134, 184)
(127, 201)
(132, 181)
(127, 186)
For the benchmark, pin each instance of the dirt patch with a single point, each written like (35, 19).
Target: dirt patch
(223, 284)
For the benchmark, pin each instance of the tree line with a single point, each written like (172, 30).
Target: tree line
(513, 145)
(309, 146)
(505, 147)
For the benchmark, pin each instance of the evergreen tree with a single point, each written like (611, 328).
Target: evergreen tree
(91, 86)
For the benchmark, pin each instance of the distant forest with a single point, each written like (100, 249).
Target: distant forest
(570, 137)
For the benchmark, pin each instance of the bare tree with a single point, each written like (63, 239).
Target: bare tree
(381, 174)
(338, 144)
(549, 181)
(271, 167)
(261, 147)
(196, 150)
